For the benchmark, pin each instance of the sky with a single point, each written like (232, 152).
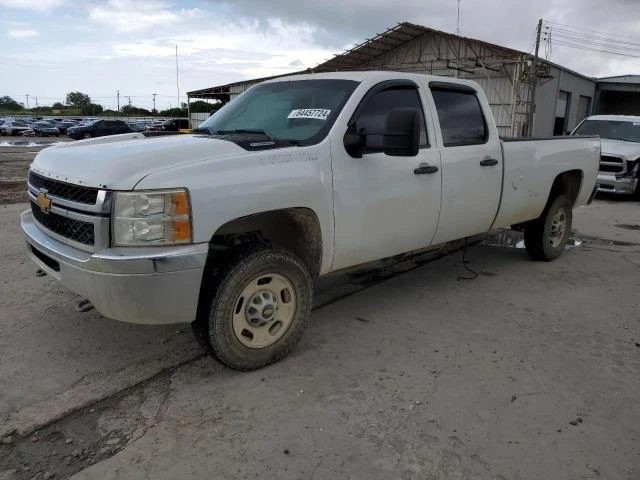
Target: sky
(51, 47)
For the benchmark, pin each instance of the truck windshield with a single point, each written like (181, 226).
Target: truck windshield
(300, 111)
(612, 129)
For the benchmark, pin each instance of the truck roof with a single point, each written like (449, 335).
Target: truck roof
(375, 75)
(616, 118)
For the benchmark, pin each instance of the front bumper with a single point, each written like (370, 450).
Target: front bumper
(611, 184)
(156, 285)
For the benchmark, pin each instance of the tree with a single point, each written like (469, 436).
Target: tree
(174, 112)
(91, 109)
(8, 103)
(78, 99)
(200, 106)
(131, 110)
(58, 106)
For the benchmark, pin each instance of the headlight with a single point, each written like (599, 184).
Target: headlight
(151, 218)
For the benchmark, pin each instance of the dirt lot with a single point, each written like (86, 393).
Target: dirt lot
(14, 165)
(529, 371)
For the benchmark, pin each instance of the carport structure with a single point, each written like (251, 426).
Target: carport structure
(618, 95)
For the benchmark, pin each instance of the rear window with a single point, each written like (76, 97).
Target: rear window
(461, 119)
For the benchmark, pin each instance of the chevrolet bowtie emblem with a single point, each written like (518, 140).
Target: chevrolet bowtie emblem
(44, 202)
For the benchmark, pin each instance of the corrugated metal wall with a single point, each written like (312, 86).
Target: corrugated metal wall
(499, 74)
(198, 118)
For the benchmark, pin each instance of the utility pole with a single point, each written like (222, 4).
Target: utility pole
(177, 76)
(154, 100)
(36, 102)
(458, 24)
(118, 95)
(534, 81)
(27, 95)
(129, 97)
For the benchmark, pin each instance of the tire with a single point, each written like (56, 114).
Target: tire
(255, 307)
(546, 237)
(86, 135)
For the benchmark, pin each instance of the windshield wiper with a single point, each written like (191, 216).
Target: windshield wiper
(201, 130)
(243, 131)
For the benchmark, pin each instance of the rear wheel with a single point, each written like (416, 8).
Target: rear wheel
(546, 237)
(256, 307)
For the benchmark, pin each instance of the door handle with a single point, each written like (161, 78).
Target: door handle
(488, 162)
(425, 168)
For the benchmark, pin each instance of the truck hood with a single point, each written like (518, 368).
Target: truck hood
(119, 162)
(629, 150)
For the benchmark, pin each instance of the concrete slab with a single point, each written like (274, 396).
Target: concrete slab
(54, 359)
(530, 371)
(610, 217)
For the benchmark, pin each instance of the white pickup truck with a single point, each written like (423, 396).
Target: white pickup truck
(620, 161)
(297, 177)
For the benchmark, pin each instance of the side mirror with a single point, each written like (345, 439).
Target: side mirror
(353, 142)
(402, 133)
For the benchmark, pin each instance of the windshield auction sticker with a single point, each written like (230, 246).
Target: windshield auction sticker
(317, 113)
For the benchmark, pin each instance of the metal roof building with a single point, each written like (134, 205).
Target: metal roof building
(563, 97)
(618, 95)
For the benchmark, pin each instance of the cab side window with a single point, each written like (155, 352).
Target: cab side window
(373, 117)
(461, 119)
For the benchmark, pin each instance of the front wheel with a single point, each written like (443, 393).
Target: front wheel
(86, 135)
(257, 307)
(546, 237)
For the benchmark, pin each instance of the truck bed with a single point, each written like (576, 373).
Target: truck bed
(531, 166)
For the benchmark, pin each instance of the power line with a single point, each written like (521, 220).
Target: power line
(589, 30)
(582, 47)
(600, 40)
(587, 40)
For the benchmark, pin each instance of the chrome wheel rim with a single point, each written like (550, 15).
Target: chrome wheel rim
(264, 310)
(558, 228)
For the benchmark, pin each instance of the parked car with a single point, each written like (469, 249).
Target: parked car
(296, 178)
(45, 129)
(136, 127)
(155, 126)
(176, 125)
(98, 128)
(620, 159)
(14, 127)
(64, 125)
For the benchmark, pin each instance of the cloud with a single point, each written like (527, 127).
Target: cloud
(339, 24)
(22, 33)
(135, 16)
(130, 44)
(35, 5)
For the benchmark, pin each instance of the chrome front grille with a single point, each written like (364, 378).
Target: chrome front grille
(74, 230)
(611, 164)
(73, 214)
(67, 191)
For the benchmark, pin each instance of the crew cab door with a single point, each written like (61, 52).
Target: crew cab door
(384, 205)
(471, 161)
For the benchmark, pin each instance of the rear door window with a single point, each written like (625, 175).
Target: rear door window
(461, 119)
